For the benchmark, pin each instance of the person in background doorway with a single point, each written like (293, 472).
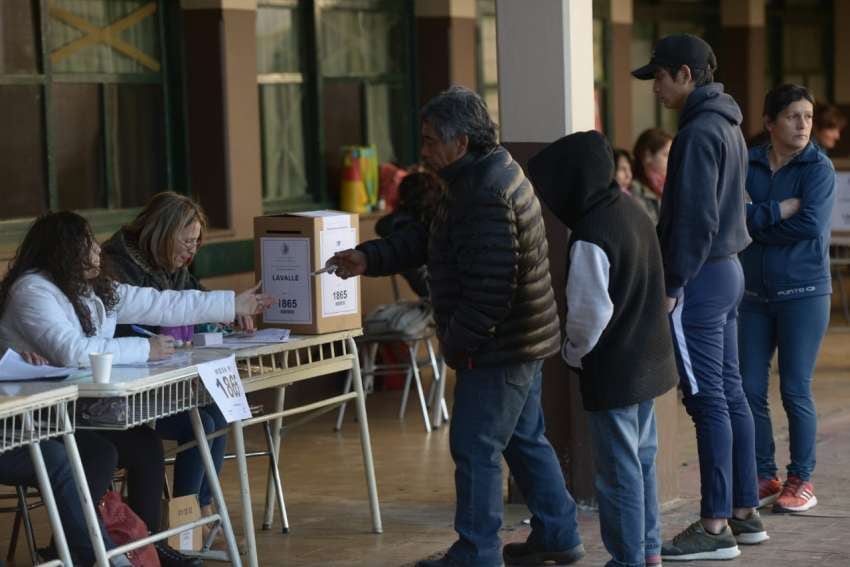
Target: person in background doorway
(623, 175)
(155, 251)
(651, 151)
(788, 285)
(828, 122)
(617, 335)
(702, 228)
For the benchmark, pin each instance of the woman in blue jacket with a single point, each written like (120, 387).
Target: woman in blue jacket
(788, 285)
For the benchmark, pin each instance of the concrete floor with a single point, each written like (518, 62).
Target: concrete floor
(329, 516)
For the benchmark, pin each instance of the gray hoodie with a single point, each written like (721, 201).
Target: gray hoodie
(703, 212)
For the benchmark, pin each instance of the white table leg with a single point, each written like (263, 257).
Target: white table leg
(245, 485)
(50, 503)
(268, 519)
(215, 487)
(365, 442)
(92, 523)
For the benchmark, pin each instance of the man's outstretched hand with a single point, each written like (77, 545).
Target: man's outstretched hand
(349, 263)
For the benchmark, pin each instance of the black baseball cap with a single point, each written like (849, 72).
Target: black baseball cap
(674, 51)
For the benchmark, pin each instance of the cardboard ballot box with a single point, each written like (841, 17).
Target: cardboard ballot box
(287, 248)
(182, 510)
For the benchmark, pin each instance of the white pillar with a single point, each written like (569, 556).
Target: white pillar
(545, 68)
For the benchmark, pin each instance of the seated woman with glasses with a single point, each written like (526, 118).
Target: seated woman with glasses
(156, 250)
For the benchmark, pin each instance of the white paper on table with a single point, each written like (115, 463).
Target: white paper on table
(264, 336)
(339, 296)
(222, 380)
(178, 358)
(286, 268)
(13, 368)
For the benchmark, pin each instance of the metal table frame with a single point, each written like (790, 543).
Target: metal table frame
(275, 366)
(29, 419)
(153, 395)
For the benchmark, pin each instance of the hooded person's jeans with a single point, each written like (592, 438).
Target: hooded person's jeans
(497, 412)
(625, 443)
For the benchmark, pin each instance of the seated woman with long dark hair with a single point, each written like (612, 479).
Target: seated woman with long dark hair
(56, 301)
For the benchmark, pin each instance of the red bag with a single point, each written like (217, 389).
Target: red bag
(124, 526)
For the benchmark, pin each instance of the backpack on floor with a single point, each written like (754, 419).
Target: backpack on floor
(124, 526)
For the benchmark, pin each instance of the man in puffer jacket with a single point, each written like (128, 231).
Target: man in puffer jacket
(497, 320)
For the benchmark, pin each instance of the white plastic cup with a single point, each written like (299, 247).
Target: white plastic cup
(101, 366)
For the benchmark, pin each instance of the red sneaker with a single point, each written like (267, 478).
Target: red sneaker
(769, 490)
(797, 496)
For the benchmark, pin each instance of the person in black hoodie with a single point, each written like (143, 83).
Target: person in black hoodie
(702, 228)
(497, 320)
(617, 334)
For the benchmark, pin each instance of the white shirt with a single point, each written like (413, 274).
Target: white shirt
(38, 317)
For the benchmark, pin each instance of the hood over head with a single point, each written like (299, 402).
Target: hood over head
(574, 174)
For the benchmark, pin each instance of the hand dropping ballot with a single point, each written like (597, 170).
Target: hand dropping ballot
(221, 378)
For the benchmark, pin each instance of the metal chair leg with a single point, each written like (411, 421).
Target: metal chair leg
(414, 366)
(275, 474)
(13, 540)
(25, 516)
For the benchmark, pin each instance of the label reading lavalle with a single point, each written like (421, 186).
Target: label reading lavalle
(286, 276)
(222, 380)
(339, 296)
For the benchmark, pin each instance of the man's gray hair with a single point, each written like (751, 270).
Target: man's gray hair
(457, 111)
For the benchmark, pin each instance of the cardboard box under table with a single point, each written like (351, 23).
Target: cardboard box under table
(287, 249)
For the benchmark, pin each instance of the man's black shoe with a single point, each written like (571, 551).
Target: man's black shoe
(525, 554)
(170, 557)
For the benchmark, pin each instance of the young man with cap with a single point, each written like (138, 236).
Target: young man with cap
(702, 228)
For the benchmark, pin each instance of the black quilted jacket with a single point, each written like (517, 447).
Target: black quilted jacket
(488, 259)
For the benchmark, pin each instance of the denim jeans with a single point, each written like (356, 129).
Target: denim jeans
(797, 328)
(705, 336)
(189, 476)
(624, 446)
(497, 412)
(16, 468)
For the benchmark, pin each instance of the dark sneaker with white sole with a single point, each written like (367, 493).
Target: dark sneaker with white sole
(749, 531)
(694, 543)
(525, 554)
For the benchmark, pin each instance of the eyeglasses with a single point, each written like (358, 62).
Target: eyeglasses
(190, 244)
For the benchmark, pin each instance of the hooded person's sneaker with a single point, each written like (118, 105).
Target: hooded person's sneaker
(695, 543)
(798, 495)
(769, 491)
(750, 530)
(524, 554)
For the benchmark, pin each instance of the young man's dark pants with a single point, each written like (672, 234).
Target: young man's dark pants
(704, 326)
(497, 412)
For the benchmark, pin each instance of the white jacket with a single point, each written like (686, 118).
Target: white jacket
(38, 317)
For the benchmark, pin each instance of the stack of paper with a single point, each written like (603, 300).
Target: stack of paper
(13, 368)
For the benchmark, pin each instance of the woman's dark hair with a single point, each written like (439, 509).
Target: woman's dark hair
(419, 194)
(828, 116)
(59, 245)
(778, 99)
(621, 153)
(649, 141)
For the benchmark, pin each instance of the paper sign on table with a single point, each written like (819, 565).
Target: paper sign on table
(222, 380)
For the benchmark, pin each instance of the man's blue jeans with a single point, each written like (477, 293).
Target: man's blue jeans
(625, 444)
(497, 412)
(189, 476)
(16, 468)
(797, 328)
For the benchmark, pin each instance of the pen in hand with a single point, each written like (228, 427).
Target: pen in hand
(142, 331)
